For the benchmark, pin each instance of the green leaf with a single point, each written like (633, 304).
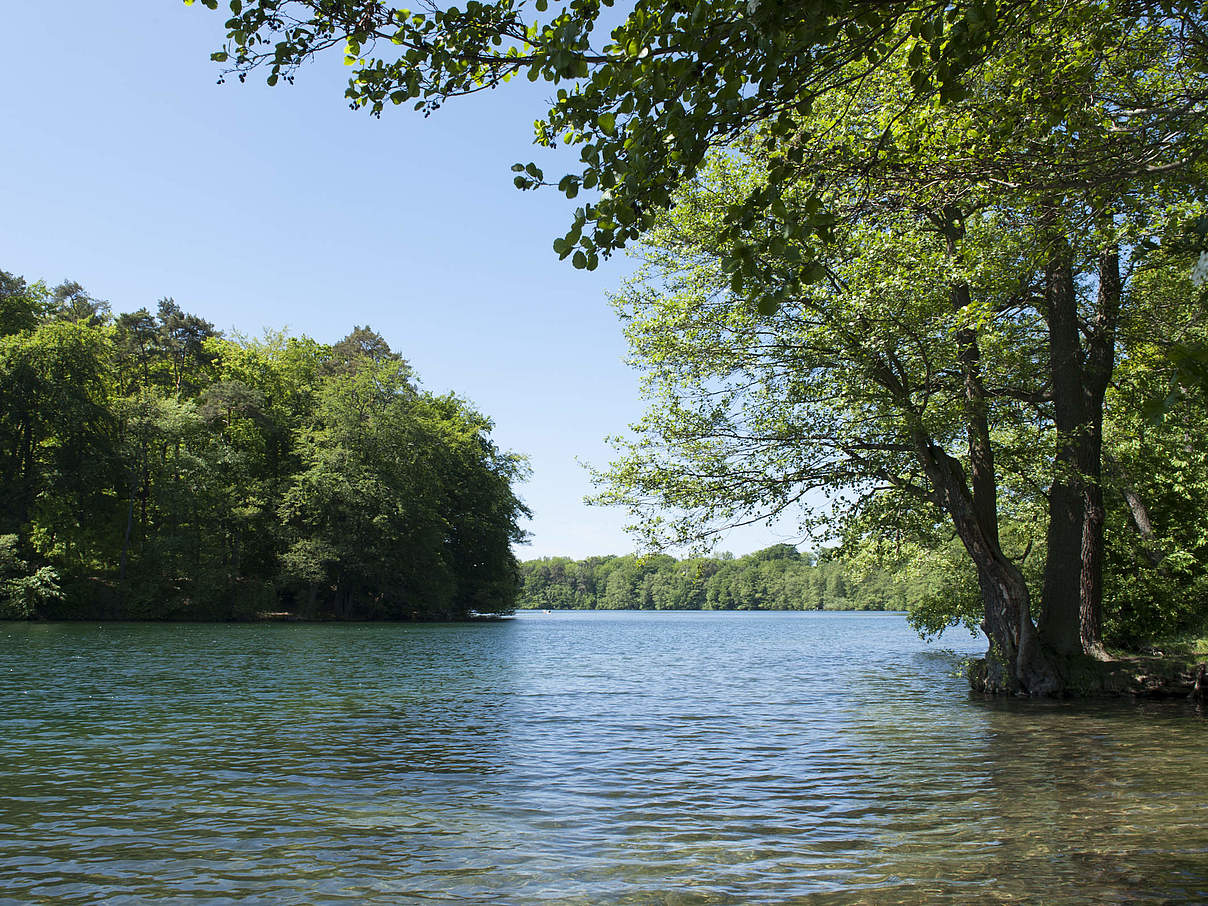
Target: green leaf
(814, 273)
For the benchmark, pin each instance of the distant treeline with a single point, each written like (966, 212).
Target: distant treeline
(151, 468)
(778, 578)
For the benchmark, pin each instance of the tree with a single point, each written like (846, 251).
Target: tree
(23, 590)
(670, 82)
(778, 578)
(1156, 472)
(71, 302)
(955, 276)
(364, 345)
(402, 506)
(21, 305)
(55, 431)
(151, 468)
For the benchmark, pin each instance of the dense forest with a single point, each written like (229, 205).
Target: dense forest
(151, 468)
(777, 578)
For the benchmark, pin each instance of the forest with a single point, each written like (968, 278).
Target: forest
(152, 468)
(776, 578)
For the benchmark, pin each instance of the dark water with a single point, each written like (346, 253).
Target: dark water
(575, 758)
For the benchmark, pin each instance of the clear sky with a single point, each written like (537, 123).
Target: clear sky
(126, 167)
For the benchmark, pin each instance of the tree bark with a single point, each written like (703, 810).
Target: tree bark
(983, 478)
(1017, 663)
(1090, 587)
(1061, 595)
(1100, 362)
(1072, 598)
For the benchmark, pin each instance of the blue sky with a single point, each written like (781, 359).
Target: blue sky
(126, 167)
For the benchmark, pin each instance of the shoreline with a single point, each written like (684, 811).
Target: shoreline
(1145, 676)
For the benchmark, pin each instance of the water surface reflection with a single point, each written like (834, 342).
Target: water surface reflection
(676, 758)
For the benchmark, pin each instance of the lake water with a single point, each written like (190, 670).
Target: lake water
(575, 758)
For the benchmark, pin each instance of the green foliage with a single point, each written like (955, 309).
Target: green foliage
(1157, 469)
(22, 591)
(777, 578)
(672, 81)
(56, 434)
(154, 469)
(924, 329)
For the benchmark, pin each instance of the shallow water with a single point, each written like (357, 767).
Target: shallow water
(575, 758)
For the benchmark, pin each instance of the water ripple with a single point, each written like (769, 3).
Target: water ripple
(574, 758)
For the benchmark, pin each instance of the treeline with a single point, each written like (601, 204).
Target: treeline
(151, 468)
(777, 578)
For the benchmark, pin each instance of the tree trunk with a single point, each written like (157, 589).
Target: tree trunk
(1071, 618)
(1100, 362)
(121, 568)
(1016, 662)
(1138, 510)
(1090, 613)
(1061, 595)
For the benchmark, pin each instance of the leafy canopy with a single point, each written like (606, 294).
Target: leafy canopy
(644, 93)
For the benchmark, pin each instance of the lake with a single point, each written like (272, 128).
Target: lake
(576, 758)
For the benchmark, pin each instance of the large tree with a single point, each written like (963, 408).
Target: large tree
(966, 310)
